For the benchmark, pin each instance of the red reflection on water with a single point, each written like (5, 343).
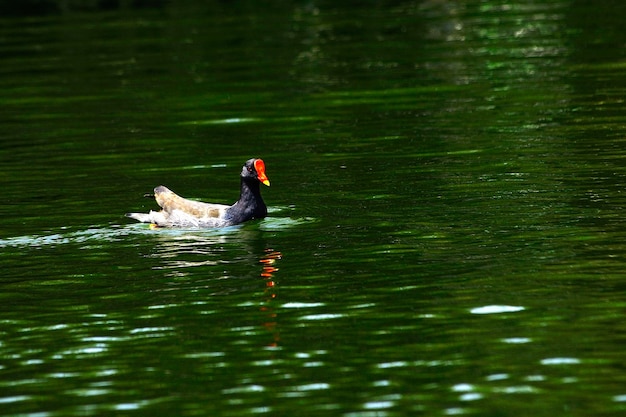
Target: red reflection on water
(267, 273)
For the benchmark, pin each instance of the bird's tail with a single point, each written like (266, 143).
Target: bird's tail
(155, 217)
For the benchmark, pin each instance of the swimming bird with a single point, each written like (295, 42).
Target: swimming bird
(181, 212)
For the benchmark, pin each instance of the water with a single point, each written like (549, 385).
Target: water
(445, 232)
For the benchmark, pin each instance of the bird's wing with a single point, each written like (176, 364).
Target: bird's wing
(171, 202)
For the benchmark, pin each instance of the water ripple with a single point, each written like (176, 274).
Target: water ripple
(496, 309)
(116, 233)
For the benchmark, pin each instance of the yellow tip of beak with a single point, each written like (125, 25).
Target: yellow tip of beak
(266, 182)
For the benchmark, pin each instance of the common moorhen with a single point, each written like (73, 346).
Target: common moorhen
(181, 212)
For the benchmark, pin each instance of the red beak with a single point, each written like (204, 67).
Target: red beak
(259, 166)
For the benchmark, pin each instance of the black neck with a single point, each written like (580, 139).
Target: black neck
(250, 204)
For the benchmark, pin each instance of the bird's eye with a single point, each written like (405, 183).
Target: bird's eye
(249, 169)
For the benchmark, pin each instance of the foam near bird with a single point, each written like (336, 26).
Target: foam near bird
(181, 212)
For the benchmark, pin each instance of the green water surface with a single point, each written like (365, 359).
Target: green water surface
(446, 229)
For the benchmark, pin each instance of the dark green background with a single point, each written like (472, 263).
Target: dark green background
(446, 211)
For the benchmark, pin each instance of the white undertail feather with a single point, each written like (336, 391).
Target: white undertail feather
(155, 217)
(177, 218)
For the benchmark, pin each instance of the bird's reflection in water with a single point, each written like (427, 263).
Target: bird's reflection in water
(267, 273)
(188, 250)
(226, 264)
